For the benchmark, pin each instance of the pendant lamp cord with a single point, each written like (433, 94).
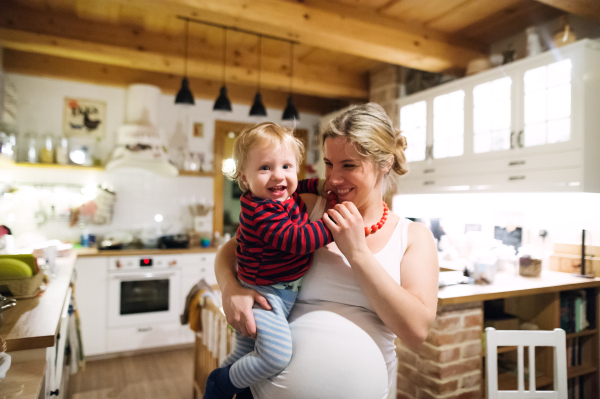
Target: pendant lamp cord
(259, 59)
(291, 67)
(224, 53)
(187, 24)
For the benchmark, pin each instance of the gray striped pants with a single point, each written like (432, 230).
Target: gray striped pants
(255, 360)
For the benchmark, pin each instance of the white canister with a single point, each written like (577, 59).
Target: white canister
(142, 105)
(204, 224)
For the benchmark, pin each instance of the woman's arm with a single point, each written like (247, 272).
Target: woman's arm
(408, 309)
(237, 300)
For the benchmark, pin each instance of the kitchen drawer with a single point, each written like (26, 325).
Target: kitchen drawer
(143, 336)
(549, 180)
(486, 164)
(200, 266)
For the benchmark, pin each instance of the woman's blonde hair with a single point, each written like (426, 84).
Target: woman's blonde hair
(368, 128)
(266, 133)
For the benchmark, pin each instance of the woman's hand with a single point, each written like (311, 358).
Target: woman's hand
(348, 230)
(237, 305)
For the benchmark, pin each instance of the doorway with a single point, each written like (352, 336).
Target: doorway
(227, 206)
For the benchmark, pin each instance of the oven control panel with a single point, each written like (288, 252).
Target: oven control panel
(130, 263)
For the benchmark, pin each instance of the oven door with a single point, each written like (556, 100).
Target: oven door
(143, 297)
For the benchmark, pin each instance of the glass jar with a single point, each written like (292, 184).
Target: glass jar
(8, 142)
(62, 152)
(47, 151)
(31, 154)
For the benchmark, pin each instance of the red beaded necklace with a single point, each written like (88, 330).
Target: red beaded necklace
(368, 230)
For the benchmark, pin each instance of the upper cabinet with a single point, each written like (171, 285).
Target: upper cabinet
(531, 125)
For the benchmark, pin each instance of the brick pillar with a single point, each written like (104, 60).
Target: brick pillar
(385, 88)
(449, 364)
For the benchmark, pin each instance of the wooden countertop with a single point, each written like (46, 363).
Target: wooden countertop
(24, 380)
(84, 252)
(508, 285)
(33, 323)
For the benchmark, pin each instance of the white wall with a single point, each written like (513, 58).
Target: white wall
(140, 195)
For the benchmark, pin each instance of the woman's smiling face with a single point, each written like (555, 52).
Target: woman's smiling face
(353, 177)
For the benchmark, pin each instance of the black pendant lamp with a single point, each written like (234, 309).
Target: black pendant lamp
(222, 103)
(185, 96)
(291, 113)
(258, 108)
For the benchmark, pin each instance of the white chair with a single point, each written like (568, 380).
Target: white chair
(556, 339)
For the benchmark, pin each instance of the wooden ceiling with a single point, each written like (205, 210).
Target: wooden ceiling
(339, 42)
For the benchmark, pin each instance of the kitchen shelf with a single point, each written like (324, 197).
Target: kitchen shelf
(508, 381)
(56, 166)
(576, 371)
(197, 174)
(582, 333)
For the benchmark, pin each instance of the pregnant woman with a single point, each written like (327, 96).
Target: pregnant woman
(378, 280)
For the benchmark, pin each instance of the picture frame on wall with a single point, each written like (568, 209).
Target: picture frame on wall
(198, 131)
(84, 118)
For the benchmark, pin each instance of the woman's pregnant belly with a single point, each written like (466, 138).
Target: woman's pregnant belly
(339, 351)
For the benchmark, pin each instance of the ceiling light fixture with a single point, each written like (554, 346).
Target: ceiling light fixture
(185, 96)
(258, 108)
(291, 113)
(222, 103)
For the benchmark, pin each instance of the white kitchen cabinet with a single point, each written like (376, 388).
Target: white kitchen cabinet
(526, 126)
(195, 267)
(92, 303)
(144, 336)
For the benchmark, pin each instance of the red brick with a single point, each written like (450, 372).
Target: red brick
(445, 371)
(407, 372)
(447, 323)
(401, 395)
(406, 386)
(476, 394)
(408, 357)
(425, 394)
(429, 352)
(437, 338)
(473, 320)
(436, 386)
(471, 350)
(471, 381)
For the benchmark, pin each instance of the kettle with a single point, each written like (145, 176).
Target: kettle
(5, 303)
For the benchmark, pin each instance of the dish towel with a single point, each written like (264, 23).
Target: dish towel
(4, 364)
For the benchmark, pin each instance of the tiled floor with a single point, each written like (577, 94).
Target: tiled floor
(166, 375)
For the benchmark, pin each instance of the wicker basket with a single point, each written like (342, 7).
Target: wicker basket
(22, 287)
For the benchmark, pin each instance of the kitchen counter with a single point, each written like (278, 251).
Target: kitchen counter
(508, 285)
(84, 252)
(33, 323)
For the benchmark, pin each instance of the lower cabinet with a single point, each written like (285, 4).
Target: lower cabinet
(144, 337)
(92, 301)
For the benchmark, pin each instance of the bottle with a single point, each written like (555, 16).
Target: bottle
(47, 152)
(31, 155)
(62, 152)
(534, 47)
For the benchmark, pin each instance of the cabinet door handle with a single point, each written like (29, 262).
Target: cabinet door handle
(428, 182)
(429, 171)
(516, 163)
(144, 329)
(511, 178)
(520, 138)
(54, 393)
(512, 140)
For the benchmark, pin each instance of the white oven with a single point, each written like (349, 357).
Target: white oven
(144, 290)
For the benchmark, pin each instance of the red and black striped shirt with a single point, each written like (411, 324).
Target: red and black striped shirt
(276, 239)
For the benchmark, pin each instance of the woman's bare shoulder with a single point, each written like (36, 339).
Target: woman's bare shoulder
(418, 232)
(309, 200)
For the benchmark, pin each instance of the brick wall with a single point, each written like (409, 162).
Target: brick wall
(449, 364)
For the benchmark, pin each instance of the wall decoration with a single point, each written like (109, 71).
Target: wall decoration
(84, 118)
(198, 129)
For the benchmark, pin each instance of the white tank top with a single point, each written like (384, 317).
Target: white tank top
(341, 349)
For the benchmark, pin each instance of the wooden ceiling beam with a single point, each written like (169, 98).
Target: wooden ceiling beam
(83, 71)
(335, 29)
(584, 8)
(323, 82)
